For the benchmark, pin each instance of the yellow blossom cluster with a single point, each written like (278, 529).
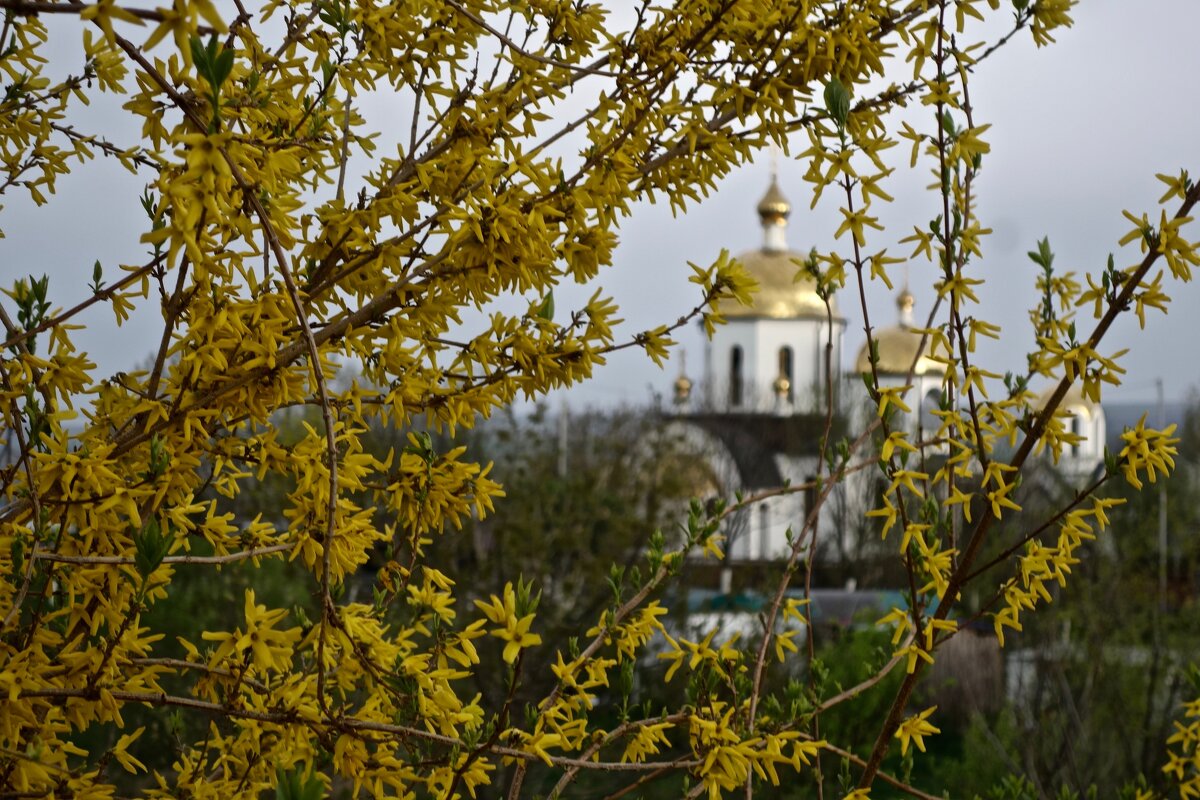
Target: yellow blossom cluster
(318, 276)
(1183, 752)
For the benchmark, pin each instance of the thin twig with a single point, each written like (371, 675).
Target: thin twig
(229, 558)
(75, 8)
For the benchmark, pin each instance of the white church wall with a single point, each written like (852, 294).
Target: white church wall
(719, 374)
(761, 341)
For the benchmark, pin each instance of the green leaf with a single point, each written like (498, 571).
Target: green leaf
(151, 547)
(948, 123)
(546, 309)
(837, 102)
(223, 67)
(625, 679)
(199, 56)
(1043, 256)
(160, 459)
(295, 785)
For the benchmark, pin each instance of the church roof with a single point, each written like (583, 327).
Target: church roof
(899, 346)
(1073, 401)
(785, 291)
(752, 440)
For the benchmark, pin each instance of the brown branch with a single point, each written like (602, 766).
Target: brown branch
(293, 717)
(856, 690)
(229, 558)
(883, 776)
(612, 736)
(105, 146)
(75, 8)
(592, 69)
(179, 663)
(16, 338)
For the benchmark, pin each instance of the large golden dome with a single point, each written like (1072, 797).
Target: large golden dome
(899, 346)
(784, 292)
(1074, 402)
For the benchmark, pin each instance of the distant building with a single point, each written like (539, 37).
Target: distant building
(1086, 420)
(773, 374)
(903, 360)
(764, 396)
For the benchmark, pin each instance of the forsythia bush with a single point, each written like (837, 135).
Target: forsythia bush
(287, 240)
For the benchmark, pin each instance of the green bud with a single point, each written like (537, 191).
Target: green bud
(837, 102)
(296, 785)
(546, 309)
(151, 547)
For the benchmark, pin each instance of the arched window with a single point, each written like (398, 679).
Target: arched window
(810, 496)
(1076, 430)
(930, 405)
(787, 372)
(764, 532)
(735, 376)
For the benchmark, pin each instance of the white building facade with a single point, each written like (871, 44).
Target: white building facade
(770, 377)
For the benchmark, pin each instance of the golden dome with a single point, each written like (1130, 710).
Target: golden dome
(1073, 401)
(783, 293)
(899, 346)
(683, 389)
(774, 204)
(897, 350)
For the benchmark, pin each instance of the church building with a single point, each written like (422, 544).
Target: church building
(773, 381)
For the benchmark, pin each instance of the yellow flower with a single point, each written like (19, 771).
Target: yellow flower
(892, 396)
(914, 729)
(913, 653)
(889, 513)
(513, 629)
(120, 752)
(646, 742)
(103, 12)
(270, 649)
(1147, 450)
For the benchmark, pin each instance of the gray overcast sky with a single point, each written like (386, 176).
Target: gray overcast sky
(1078, 131)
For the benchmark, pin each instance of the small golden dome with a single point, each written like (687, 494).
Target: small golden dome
(899, 346)
(683, 389)
(897, 351)
(774, 207)
(781, 386)
(783, 291)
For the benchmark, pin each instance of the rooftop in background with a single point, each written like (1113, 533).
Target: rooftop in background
(783, 291)
(842, 607)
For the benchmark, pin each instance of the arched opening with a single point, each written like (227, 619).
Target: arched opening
(764, 532)
(810, 497)
(928, 420)
(1076, 430)
(787, 372)
(735, 376)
